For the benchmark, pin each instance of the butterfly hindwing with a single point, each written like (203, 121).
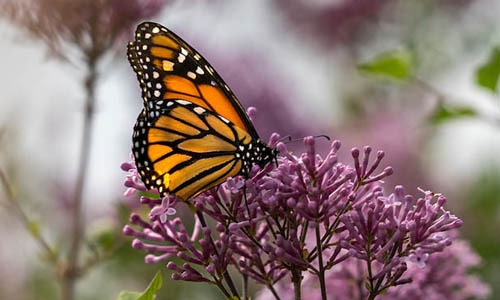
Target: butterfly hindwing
(168, 69)
(183, 149)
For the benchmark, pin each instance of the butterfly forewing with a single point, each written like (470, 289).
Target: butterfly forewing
(168, 69)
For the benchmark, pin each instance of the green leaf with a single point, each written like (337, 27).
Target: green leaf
(446, 112)
(126, 295)
(155, 285)
(488, 73)
(148, 294)
(395, 64)
(149, 195)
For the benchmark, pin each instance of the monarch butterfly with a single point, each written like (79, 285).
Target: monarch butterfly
(192, 133)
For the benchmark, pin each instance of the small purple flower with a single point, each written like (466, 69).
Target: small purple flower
(419, 258)
(235, 185)
(133, 180)
(165, 209)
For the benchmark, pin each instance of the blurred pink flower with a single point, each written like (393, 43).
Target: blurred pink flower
(331, 21)
(402, 137)
(334, 23)
(91, 26)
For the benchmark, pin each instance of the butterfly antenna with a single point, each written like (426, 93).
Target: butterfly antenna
(322, 136)
(285, 139)
(290, 140)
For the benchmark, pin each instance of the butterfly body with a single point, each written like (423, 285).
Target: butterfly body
(192, 133)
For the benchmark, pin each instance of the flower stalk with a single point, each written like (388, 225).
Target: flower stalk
(72, 272)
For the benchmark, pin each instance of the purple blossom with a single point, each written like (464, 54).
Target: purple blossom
(316, 217)
(331, 22)
(165, 209)
(91, 26)
(444, 276)
(419, 257)
(133, 180)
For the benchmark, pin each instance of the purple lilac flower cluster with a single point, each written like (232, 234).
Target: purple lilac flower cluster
(305, 219)
(443, 275)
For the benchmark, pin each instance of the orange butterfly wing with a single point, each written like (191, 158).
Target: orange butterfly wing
(193, 132)
(189, 149)
(169, 69)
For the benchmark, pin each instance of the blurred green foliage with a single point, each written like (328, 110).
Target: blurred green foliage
(481, 216)
(396, 64)
(447, 112)
(487, 74)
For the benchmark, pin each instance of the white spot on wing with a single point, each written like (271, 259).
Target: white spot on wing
(191, 75)
(183, 102)
(181, 58)
(200, 71)
(155, 30)
(199, 110)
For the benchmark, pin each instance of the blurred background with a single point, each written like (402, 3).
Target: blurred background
(417, 79)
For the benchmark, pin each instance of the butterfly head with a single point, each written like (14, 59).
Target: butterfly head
(256, 153)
